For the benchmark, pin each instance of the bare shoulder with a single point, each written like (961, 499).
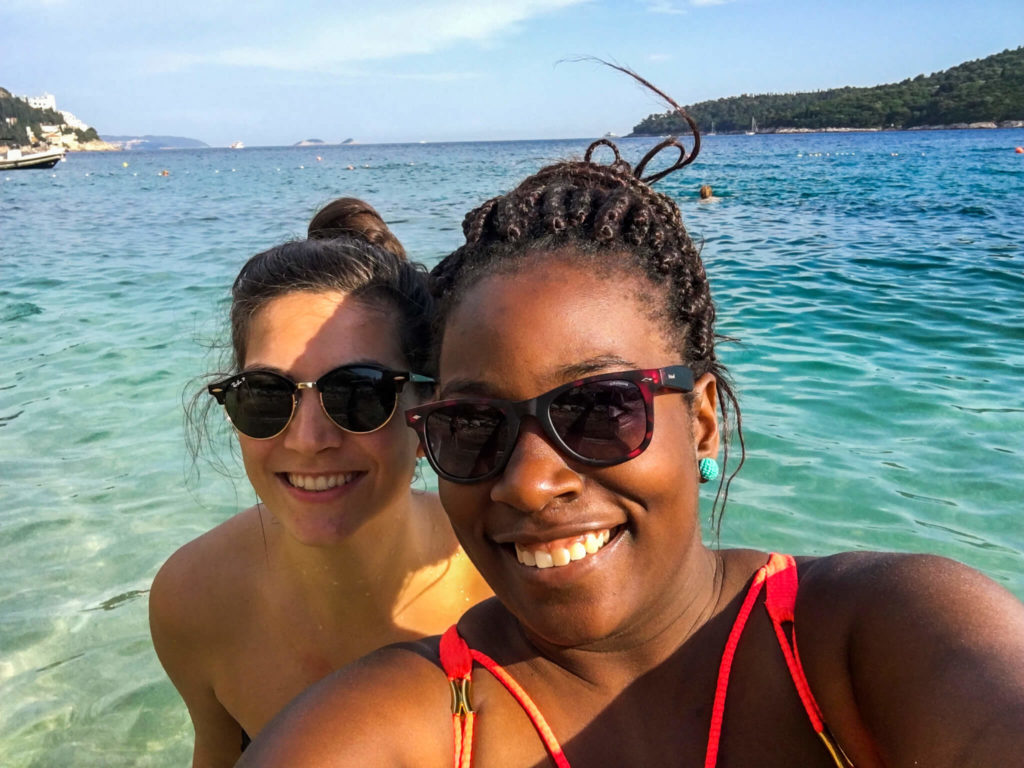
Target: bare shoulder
(881, 583)
(919, 655)
(390, 708)
(872, 599)
(196, 592)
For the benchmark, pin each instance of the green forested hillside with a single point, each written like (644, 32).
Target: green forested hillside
(985, 90)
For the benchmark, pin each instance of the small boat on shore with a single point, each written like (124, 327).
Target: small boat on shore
(16, 160)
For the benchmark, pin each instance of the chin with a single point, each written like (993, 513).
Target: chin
(572, 624)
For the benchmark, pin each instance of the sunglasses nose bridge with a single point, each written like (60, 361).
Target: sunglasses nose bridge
(537, 409)
(297, 388)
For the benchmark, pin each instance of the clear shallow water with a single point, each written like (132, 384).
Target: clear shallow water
(874, 279)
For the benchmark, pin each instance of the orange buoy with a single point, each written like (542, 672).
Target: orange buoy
(1019, 150)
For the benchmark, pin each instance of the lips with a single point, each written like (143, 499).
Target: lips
(561, 552)
(319, 482)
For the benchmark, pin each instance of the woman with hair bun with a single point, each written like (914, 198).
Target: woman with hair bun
(583, 404)
(329, 341)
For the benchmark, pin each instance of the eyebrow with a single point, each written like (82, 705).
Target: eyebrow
(288, 375)
(570, 372)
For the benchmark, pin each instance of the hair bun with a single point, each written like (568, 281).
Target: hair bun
(351, 217)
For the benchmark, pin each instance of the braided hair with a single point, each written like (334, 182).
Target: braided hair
(609, 216)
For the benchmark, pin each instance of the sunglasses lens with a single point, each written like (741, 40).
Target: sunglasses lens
(467, 441)
(358, 399)
(259, 404)
(601, 420)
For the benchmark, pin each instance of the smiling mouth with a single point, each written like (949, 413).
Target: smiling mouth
(319, 482)
(561, 552)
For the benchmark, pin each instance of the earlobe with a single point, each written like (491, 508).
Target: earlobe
(705, 416)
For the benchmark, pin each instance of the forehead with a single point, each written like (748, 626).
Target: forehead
(317, 329)
(547, 324)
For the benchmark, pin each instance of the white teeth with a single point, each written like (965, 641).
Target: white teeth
(319, 482)
(557, 556)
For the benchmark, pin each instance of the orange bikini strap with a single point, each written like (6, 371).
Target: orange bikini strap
(721, 688)
(457, 660)
(458, 665)
(543, 729)
(780, 602)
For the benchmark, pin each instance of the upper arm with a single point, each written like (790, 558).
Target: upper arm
(390, 708)
(931, 658)
(183, 641)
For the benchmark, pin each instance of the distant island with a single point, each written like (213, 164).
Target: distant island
(319, 143)
(986, 93)
(149, 142)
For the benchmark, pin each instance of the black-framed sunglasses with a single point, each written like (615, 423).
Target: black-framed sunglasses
(358, 398)
(599, 421)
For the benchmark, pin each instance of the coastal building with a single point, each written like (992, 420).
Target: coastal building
(46, 101)
(73, 122)
(49, 101)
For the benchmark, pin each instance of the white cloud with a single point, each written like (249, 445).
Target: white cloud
(344, 38)
(664, 6)
(676, 8)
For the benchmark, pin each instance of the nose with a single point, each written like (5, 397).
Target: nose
(310, 431)
(536, 474)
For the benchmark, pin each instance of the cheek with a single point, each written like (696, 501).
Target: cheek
(464, 505)
(253, 451)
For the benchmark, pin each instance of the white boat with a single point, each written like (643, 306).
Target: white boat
(753, 127)
(15, 159)
(236, 145)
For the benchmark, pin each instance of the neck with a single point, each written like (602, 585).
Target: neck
(367, 579)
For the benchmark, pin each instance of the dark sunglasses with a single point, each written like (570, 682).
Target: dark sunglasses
(599, 421)
(357, 398)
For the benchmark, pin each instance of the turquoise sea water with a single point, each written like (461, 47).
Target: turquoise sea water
(876, 282)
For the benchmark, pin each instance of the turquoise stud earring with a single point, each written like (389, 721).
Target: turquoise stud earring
(708, 469)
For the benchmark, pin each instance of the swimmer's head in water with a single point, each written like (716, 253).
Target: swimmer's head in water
(705, 191)
(610, 218)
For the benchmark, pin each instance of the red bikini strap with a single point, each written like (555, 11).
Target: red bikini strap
(458, 665)
(533, 712)
(457, 660)
(780, 602)
(718, 710)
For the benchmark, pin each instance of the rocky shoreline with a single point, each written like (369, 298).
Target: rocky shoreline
(988, 125)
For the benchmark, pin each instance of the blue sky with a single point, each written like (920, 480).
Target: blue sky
(270, 73)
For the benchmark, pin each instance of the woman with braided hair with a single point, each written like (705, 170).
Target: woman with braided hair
(582, 404)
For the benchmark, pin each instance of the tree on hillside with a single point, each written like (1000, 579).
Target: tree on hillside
(989, 89)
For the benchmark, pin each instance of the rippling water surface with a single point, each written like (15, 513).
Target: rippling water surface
(875, 282)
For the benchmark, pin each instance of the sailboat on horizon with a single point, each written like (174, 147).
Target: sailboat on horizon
(753, 127)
